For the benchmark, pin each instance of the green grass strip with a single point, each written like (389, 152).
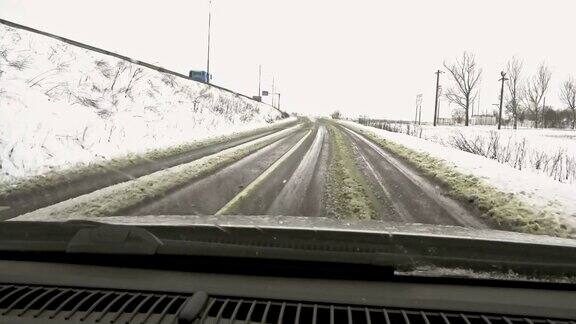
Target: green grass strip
(347, 196)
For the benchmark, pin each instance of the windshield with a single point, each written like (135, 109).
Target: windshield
(458, 116)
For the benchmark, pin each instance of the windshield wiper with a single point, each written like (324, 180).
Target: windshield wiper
(114, 239)
(138, 247)
(231, 246)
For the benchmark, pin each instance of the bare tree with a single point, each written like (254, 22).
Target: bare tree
(467, 77)
(513, 71)
(535, 89)
(568, 97)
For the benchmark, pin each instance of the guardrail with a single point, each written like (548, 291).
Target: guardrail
(382, 121)
(126, 58)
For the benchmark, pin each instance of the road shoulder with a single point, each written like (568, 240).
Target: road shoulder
(505, 209)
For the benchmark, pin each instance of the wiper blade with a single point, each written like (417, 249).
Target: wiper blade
(400, 250)
(114, 239)
(184, 250)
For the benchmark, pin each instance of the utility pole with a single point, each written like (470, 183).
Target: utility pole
(420, 114)
(416, 113)
(418, 109)
(273, 91)
(259, 80)
(208, 56)
(440, 92)
(502, 79)
(278, 100)
(436, 101)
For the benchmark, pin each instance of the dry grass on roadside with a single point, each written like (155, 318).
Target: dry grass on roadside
(559, 164)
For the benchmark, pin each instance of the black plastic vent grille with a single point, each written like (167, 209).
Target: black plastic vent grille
(230, 310)
(87, 305)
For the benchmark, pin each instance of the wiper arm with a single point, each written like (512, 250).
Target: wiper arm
(114, 239)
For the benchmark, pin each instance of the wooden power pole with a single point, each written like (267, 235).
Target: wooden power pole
(502, 79)
(436, 101)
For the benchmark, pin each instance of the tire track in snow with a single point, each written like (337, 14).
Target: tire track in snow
(293, 194)
(245, 194)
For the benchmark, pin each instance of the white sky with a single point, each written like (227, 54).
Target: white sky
(359, 56)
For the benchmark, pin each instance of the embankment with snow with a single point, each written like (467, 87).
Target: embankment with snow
(63, 105)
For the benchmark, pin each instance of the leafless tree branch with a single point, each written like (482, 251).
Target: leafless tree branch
(466, 76)
(535, 90)
(568, 97)
(514, 87)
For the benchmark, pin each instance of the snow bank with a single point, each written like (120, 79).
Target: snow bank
(547, 151)
(61, 105)
(548, 140)
(537, 191)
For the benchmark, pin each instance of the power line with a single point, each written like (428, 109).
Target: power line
(208, 55)
(259, 79)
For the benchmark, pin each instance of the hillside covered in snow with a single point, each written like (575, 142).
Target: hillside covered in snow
(63, 105)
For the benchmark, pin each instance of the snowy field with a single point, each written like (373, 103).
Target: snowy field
(550, 152)
(538, 191)
(61, 105)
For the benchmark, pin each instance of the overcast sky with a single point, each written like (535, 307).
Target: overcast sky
(359, 56)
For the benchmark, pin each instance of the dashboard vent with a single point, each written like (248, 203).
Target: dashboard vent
(42, 304)
(231, 310)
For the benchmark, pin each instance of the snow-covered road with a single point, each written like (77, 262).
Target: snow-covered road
(291, 171)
